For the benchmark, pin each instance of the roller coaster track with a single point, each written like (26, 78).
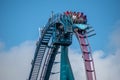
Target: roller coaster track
(87, 56)
(46, 50)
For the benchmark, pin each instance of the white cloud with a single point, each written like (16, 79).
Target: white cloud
(15, 63)
(77, 64)
(107, 68)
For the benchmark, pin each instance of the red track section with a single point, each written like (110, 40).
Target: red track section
(87, 56)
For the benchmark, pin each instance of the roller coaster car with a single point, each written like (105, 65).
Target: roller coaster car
(80, 28)
(77, 17)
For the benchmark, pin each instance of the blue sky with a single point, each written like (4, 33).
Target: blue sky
(20, 20)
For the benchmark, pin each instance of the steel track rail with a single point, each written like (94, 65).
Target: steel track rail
(42, 45)
(87, 56)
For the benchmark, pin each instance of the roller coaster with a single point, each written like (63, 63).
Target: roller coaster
(56, 37)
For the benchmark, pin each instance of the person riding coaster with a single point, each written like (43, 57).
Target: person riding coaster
(77, 17)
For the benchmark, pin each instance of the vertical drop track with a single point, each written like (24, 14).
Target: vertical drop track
(87, 56)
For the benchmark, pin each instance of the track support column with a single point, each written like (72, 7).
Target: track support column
(65, 68)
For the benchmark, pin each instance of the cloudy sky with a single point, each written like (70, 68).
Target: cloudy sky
(19, 23)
